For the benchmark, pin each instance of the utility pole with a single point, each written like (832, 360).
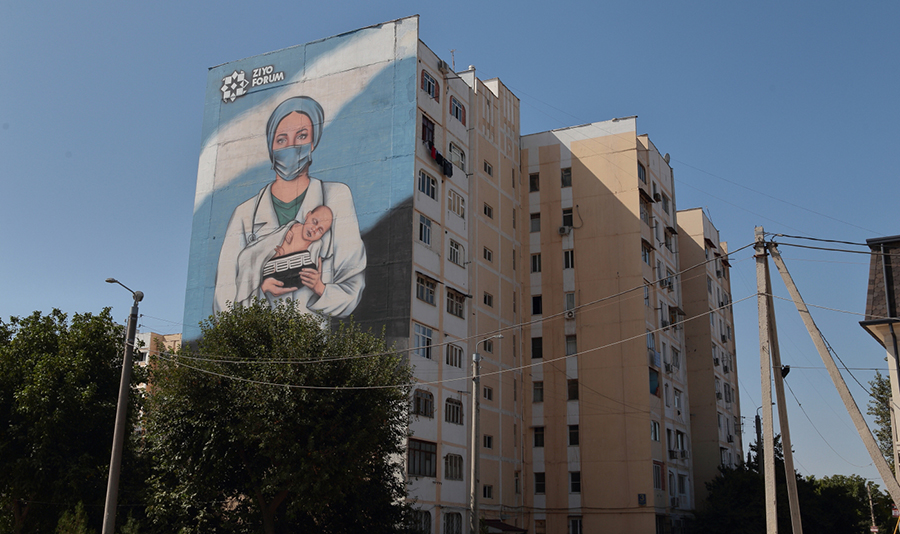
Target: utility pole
(765, 368)
(862, 428)
(115, 462)
(476, 432)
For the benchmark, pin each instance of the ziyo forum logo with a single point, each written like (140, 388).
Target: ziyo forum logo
(236, 83)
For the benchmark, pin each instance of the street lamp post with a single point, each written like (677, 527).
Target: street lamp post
(476, 429)
(115, 462)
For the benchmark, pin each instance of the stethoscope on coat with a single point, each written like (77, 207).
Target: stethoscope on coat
(253, 224)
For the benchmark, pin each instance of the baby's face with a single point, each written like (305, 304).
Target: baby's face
(317, 223)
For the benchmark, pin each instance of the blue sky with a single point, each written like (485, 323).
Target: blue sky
(776, 115)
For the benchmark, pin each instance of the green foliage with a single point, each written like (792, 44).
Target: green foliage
(880, 408)
(74, 521)
(837, 504)
(59, 383)
(235, 453)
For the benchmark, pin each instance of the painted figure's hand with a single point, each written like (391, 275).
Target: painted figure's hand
(276, 287)
(313, 279)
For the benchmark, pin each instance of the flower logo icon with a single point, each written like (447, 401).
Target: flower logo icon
(233, 86)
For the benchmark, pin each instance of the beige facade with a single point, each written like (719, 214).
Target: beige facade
(151, 343)
(609, 434)
(712, 371)
(464, 284)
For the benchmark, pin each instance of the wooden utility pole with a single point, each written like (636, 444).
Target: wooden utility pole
(767, 448)
(865, 433)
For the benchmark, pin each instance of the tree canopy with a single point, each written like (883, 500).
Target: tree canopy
(879, 407)
(59, 382)
(275, 423)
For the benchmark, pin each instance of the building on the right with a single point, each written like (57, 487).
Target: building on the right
(709, 348)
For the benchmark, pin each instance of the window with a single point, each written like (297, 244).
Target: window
(654, 430)
(537, 391)
(534, 182)
(651, 341)
(575, 523)
(517, 479)
(430, 85)
(665, 204)
(567, 218)
(427, 130)
(676, 358)
(642, 173)
(489, 345)
(540, 483)
(458, 157)
(457, 253)
(571, 345)
(488, 442)
(646, 295)
(421, 458)
(423, 403)
(575, 482)
(514, 217)
(570, 301)
(488, 301)
(645, 211)
(670, 279)
(488, 211)
(668, 240)
(568, 259)
(668, 396)
(574, 437)
(454, 355)
(422, 522)
(682, 484)
(427, 184)
(458, 110)
(537, 305)
(452, 522)
(453, 411)
(535, 263)
(537, 347)
(538, 436)
(658, 481)
(677, 399)
(645, 252)
(566, 175)
(487, 491)
(456, 304)
(488, 254)
(488, 393)
(423, 336)
(456, 203)
(535, 222)
(709, 284)
(488, 168)
(540, 526)
(654, 382)
(671, 483)
(424, 229)
(572, 388)
(425, 289)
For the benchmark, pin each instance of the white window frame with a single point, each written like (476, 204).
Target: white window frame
(453, 411)
(458, 156)
(457, 253)
(454, 355)
(427, 185)
(425, 229)
(423, 337)
(456, 204)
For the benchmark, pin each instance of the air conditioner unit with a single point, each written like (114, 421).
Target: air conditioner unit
(673, 454)
(725, 369)
(718, 273)
(730, 438)
(721, 303)
(719, 395)
(665, 324)
(671, 286)
(443, 66)
(564, 230)
(664, 282)
(724, 338)
(570, 314)
(657, 197)
(668, 367)
(683, 453)
(716, 362)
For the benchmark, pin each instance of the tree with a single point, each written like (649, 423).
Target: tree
(59, 383)
(880, 408)
(237, 450)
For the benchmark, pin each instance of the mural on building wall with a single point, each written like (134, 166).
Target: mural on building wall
(305, 180)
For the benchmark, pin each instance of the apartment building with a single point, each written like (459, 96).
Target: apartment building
(550, 259)
(608, 426)
(709, 336)
(465, 277)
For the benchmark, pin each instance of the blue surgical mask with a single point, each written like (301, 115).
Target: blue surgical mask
(289, 162)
